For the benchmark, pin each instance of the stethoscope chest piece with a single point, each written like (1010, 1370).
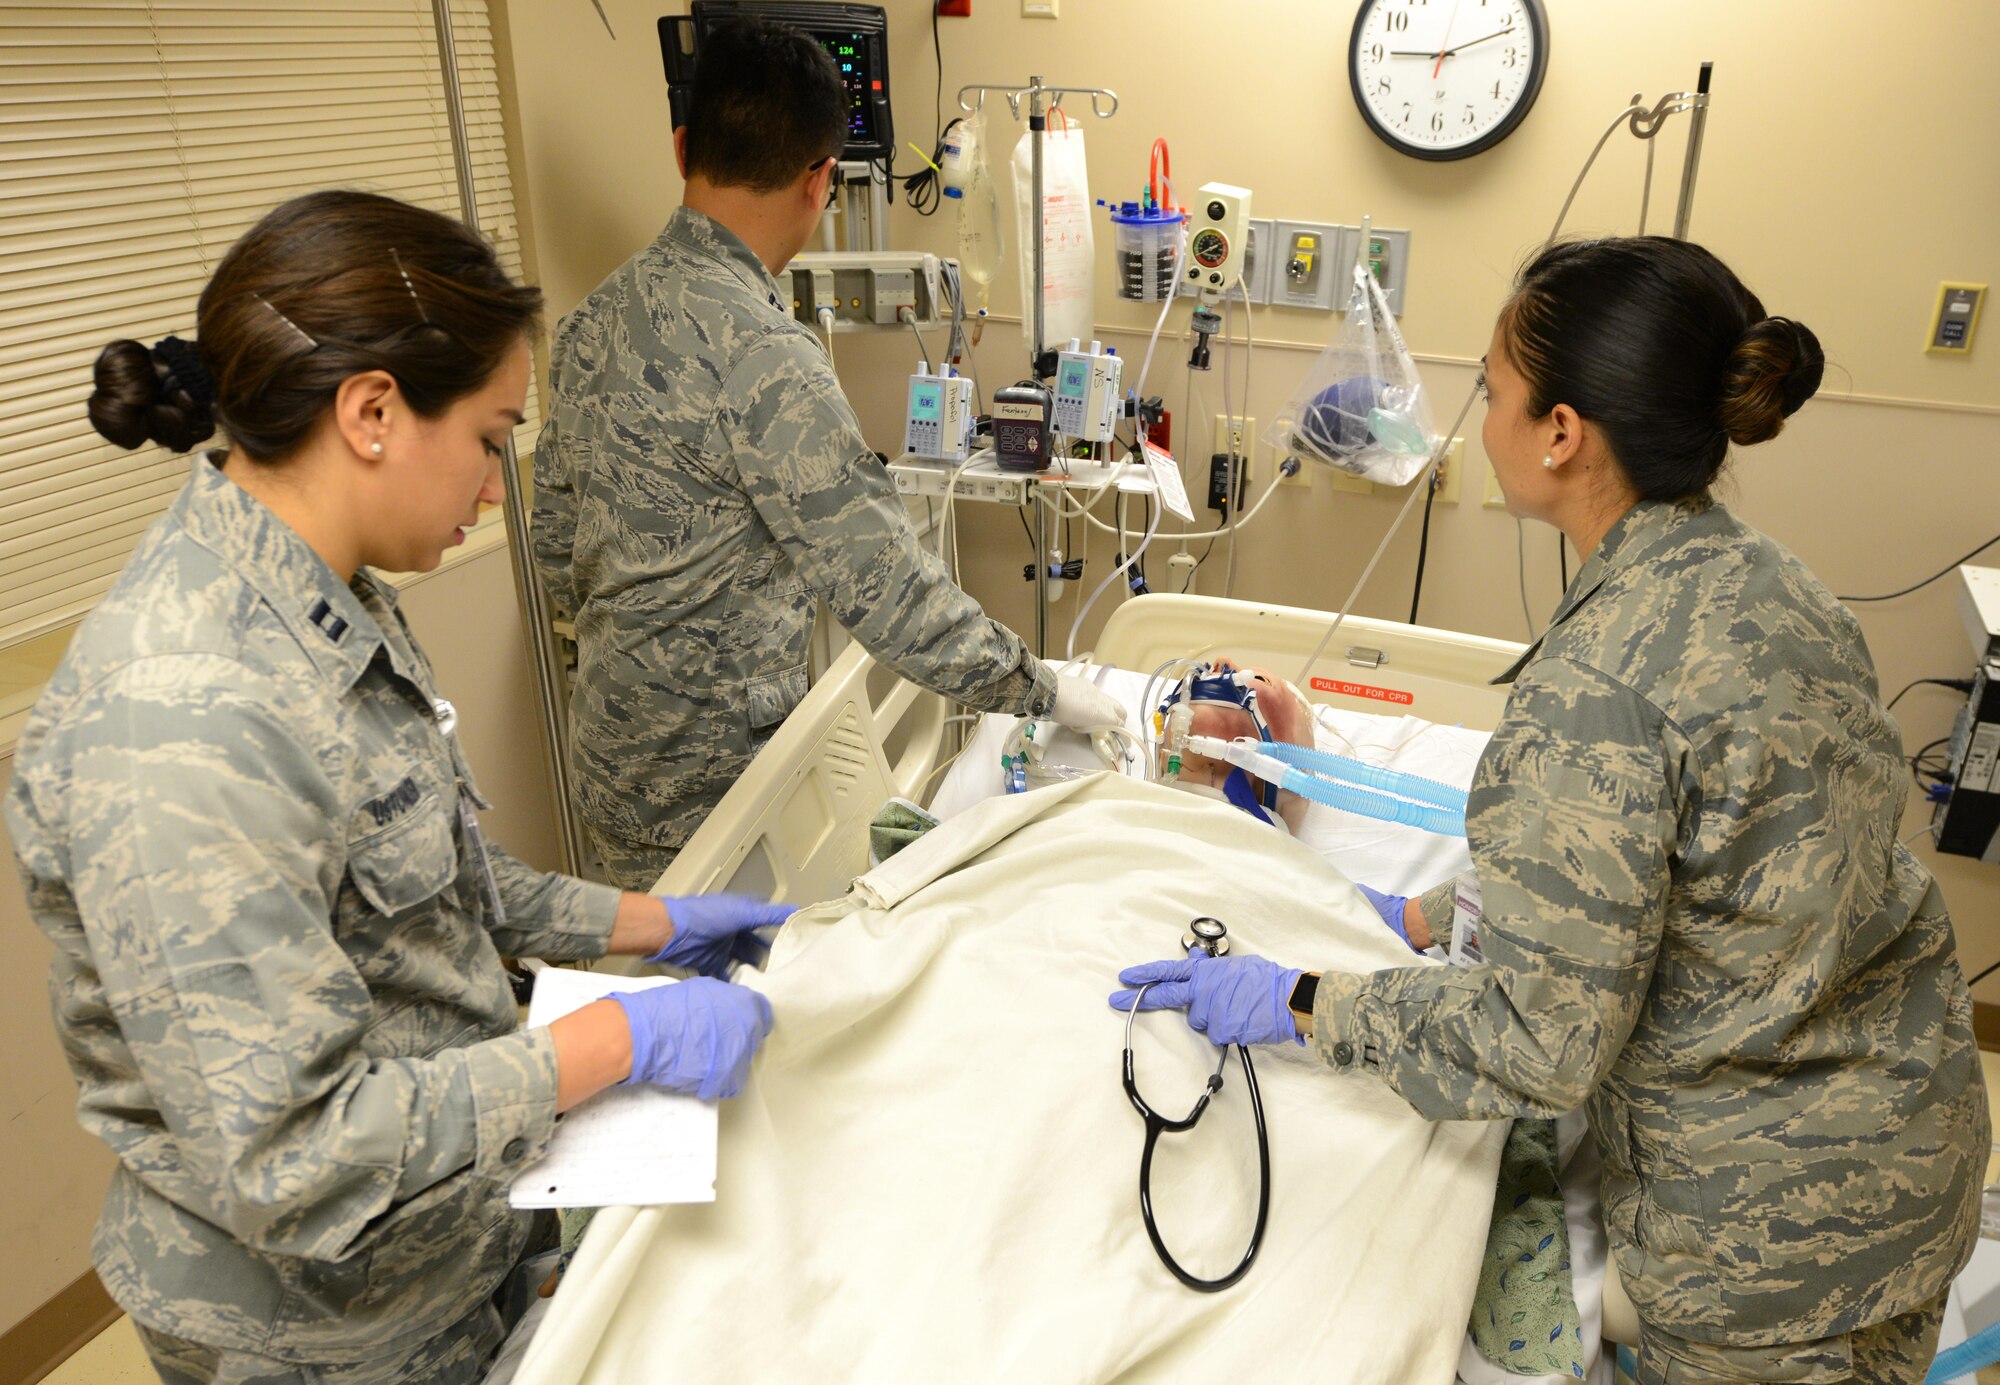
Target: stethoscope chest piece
(1210, 935)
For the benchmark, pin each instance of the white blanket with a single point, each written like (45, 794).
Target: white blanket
(933, 1173)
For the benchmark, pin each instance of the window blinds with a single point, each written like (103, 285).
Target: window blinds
(137, 142)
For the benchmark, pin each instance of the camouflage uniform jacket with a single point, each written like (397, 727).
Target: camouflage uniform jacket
(700, 482)
(277, 973)
(1699, 922)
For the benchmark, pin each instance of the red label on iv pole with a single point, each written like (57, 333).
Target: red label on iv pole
(1365, 692)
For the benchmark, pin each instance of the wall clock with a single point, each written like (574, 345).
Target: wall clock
(1447, 79)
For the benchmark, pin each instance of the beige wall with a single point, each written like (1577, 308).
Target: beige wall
(1837, 178)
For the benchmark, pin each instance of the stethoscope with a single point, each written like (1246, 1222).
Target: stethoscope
(1212, 937)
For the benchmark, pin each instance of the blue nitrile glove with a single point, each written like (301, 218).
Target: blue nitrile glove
(1233, 1000)
(713, 930)
(1390, 907)
(695, 1036)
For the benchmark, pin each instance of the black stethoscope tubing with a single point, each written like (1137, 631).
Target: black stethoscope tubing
(1156, 1124)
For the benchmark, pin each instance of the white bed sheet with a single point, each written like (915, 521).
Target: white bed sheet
(931, 1175)
(1387, 856)
(1384, 855)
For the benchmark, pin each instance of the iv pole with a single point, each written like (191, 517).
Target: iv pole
(1041, 100)
(551, 692)
(1697, 123)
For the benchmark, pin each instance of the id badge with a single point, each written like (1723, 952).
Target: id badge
(1466, 920)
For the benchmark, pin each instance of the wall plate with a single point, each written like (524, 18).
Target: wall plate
(1316, 247)
(1391, 249)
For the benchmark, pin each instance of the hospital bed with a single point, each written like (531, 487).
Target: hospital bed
(795, 826)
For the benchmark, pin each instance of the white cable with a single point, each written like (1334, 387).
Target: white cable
(1131, 561)
(950, 498)
(1249, 337)
(1563, 215)
(1521, 568)
(825, 317)
(1423, 481)
(909, 315)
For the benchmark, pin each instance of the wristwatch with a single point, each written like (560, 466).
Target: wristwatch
(1301, 1004)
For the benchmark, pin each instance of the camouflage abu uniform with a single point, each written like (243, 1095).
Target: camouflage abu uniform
(1698, 921)
(701, 480)
(277, 972)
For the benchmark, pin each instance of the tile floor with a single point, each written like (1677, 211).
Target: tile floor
(115, 1357)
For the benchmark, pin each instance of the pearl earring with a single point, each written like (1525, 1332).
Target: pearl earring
(1549, 462)
(376, 448)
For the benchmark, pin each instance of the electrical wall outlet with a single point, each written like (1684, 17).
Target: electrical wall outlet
(1451, 470)
(1041, 9)
(1235, 436)
(1343, 481)
(1301, 473)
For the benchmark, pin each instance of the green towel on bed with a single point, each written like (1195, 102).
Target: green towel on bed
(899, 823)
(1524, 1317)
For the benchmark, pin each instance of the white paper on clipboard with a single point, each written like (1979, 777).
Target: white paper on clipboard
(633, 1146)
(1167, 480)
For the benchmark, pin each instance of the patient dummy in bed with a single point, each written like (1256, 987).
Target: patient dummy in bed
(1286, 715)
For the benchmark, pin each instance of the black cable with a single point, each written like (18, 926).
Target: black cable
(921, 189)
(1916, 765)
(1963, 685)
(1562, 556)
(1928, 580)
(1021, 513)
(1423, 545)
(1982, 976)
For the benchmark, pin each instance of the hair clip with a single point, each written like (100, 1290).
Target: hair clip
(290, 325)
(408, 285)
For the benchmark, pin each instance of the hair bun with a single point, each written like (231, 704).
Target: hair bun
(161, 395)
(1775, 368)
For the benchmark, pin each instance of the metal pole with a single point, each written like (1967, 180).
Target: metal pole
(1037, 122)
(549, 685)
(1696, 124)
(1041, 574)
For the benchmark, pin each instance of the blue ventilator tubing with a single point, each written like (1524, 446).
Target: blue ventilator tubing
(1446, 822)
(1394, 781)
(1349, 785)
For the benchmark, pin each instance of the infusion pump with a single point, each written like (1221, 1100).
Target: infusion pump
(938, 422)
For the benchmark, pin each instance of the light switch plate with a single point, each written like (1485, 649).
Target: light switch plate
(1041, 9)
(1955, 319)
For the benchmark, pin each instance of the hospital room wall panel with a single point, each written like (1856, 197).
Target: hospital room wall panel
(1842, 174)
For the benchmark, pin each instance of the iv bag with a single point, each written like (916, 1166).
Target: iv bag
(1362, 408)
(1069, 255)
(978, 204)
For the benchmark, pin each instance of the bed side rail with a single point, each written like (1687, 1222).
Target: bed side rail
(1372, 665)
(795, 826)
